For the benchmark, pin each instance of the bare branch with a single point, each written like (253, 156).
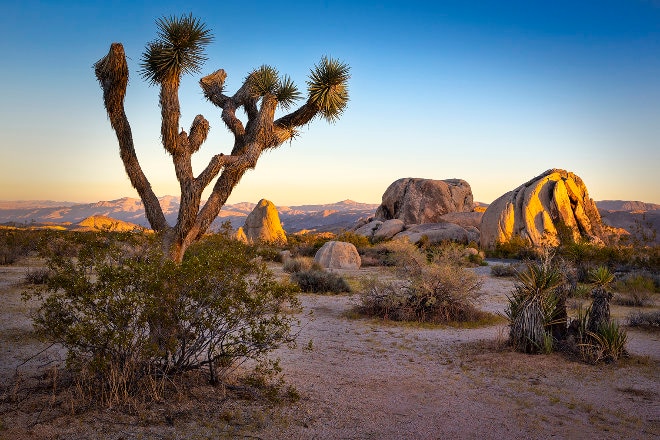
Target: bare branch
(214, 167)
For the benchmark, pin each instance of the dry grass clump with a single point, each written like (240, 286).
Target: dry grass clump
(437, 291)
(300, 264)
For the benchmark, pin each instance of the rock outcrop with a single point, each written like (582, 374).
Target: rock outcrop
(557, 199)
(417, 201)
(438, 232)
(263, 225)
(338, 255)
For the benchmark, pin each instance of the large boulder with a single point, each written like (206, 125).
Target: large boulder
(263, 224)
(438, 232)
(464, 219)
(418, 201)
(536, 210)
(338, 255)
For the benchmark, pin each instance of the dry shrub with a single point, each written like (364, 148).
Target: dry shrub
(650, 320)
(300, 264)
(503, 270)
(318, 280)
(437, 292)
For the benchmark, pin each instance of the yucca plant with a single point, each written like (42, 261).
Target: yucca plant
(609, 341)
(601, 278)
(328, 89)
(532, 307)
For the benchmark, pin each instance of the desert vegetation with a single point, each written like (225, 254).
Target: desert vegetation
(141, 334)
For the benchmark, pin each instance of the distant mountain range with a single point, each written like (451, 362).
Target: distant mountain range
(328, 217)
(639, 218)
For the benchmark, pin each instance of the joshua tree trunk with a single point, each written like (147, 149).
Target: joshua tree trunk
(600, 309)
(260, 95)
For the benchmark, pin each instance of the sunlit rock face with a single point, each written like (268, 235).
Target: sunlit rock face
(263, 224)
(557, 199)
(418, 201)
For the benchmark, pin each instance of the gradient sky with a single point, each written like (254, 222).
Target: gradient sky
(491, 92)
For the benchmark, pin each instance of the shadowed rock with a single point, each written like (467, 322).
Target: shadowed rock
(418, 201)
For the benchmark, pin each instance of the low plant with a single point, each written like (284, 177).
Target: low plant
(37, 276)
(633, 299)
(359, 241)
(608, 343)
(601, 278)
(320, 281)
(503, 270)
(516, 247)
(649, 319)
(128, 319)
(434, 291)
(300, 264)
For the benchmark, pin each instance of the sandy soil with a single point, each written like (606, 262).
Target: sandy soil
(365, 379)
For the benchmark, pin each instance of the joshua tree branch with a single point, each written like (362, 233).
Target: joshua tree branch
(112, 73)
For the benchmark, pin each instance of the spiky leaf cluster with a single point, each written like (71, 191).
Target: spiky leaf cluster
(178, 50)
(266, 80)
(328, 87)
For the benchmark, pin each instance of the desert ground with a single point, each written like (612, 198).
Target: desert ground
(356, 378)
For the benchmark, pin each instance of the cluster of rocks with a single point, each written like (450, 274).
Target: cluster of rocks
(440, 210)
(549, 207)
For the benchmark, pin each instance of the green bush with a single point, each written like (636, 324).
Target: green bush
(320, 281)
(359, 241)
(306, 245)
(128, 317)
(435, 291)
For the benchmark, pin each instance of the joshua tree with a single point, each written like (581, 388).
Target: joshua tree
(178, 50)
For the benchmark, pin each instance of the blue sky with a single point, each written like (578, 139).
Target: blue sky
(491, 92)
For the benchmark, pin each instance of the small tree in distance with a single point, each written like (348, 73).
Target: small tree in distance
(179, 50)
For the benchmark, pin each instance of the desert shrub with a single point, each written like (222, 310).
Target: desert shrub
(16, 244)
(428, 291)
(633, 299)
(269, 252)
(637, 282)
(300, 264)
(37, 276)
(359, 241)
(126, 319)
(306, 245)
(378, 255)
(320, 281)
(517, 247)
(534, 307)
(503, 270)
(645, 319)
